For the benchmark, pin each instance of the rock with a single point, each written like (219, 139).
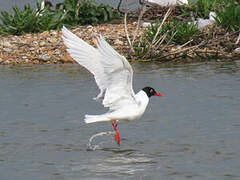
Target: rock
(7, 62)
(237, 50)
(28, 36)
(18, 61)
(27, 61)
(35, 43)
(44, 57)
(118, 42)
(24, 57)
(6, 44)
(89, 27)
(45, 33)
(52, 40)
(8, 50)
(53, 32)
(42, 43)
(35, 62)
(57, 52)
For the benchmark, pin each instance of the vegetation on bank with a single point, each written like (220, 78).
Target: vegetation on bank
(171, 35)
(68, 13)
(227, 12)
(178, 32)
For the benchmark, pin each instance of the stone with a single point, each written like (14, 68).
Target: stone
(44, 57)
(42, 43)
(45, 33)
(6, 44)
(118, 42)
(237, 50)
(35, 43)
(52, 40)
(35, 62)
(7, 62)
(53, 33)
(24, 57)
(57, 52)
(8, 50)
(89, 27)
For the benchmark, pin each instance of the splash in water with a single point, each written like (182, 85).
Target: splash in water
(93, 147)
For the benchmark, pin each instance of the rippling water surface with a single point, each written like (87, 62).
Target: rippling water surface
(193, 132)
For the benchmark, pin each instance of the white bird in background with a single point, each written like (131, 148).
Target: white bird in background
(164, 2)
(44, 4)
(113, 75)
(202, 23)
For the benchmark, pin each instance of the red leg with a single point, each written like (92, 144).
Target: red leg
(116, 136)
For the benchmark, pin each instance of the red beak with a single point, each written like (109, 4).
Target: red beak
(158, 94)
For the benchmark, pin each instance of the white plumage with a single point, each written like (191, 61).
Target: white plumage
(167, 2)
(113, 75)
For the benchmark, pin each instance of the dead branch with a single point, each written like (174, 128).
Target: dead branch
(119, 5)
(125, 27)
(143, 10)
(77, 9)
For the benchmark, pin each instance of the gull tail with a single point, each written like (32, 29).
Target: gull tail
(95, 118)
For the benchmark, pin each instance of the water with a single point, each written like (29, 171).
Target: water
(192, 132)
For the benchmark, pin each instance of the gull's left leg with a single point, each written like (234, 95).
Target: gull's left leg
(116, 136)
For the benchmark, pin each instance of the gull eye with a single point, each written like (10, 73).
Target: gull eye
(151, 91)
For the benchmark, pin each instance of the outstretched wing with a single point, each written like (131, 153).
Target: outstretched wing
(85, 55)
(112, 72)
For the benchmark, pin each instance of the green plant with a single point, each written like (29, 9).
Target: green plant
(88, 12)
(18, 22)
(201, 8)
(67, 13)
(29, 20)
(178, 32)
(229, 17)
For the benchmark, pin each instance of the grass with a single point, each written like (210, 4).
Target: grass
(229, 17)
(88, 13)
(172, 32)
(28, 20)
(227, 11)
(20, 21)
(201, 8)
(178, 32)
(68, 13)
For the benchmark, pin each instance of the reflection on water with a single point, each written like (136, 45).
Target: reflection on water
(191, 133)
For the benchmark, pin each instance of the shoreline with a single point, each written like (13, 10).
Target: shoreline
(48, 48)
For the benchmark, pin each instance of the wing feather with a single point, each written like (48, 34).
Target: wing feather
(119, 79)
(86, 55)
(112, 72)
